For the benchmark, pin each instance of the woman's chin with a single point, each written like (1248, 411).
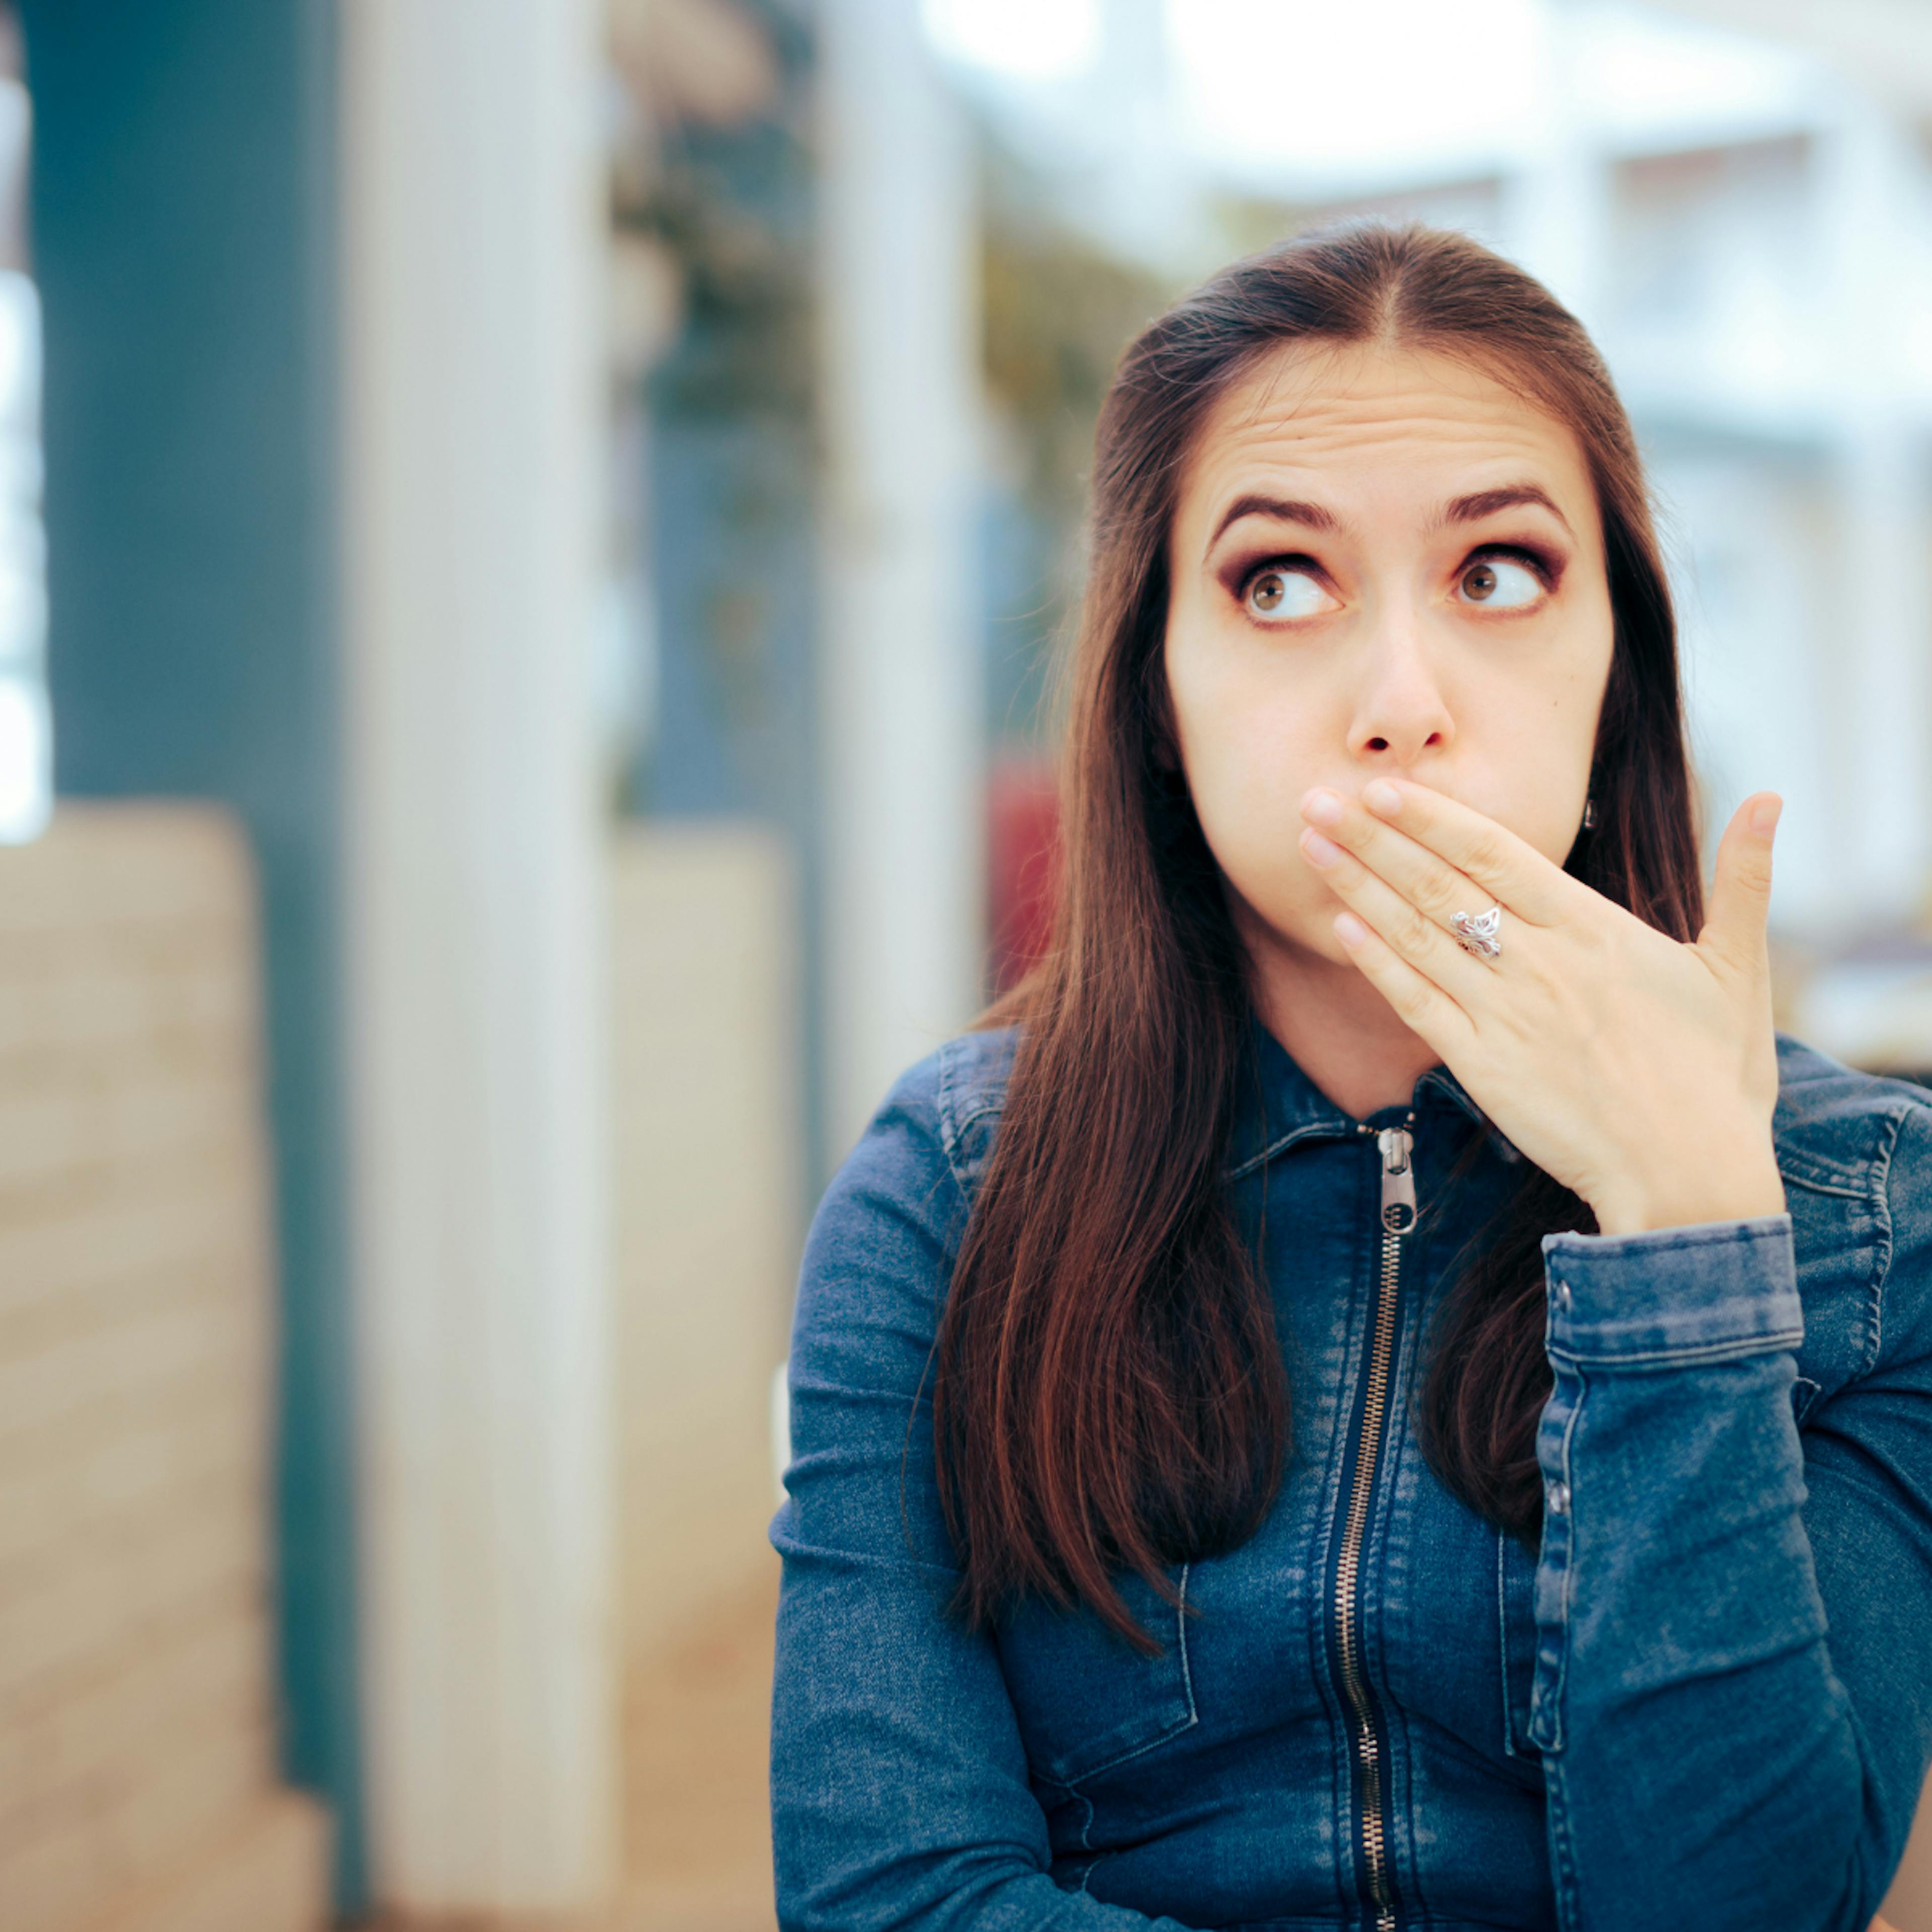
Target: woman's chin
(1302, 936)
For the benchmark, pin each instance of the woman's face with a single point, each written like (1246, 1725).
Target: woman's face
(1381, 561)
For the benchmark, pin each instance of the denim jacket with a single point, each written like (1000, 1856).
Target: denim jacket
(1705, 1703)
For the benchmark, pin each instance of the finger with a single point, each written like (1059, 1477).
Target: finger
(1740, 888)
(1425, 880)
(1510, 869)
(1400, 924)
(1421, 1005)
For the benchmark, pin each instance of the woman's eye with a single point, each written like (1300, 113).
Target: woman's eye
(1278, 592)
(1500, 583)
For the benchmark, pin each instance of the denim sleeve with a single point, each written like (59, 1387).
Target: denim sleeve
(1733, 1690)
(900, 1795)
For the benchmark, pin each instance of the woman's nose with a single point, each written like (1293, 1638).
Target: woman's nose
(1400, 712)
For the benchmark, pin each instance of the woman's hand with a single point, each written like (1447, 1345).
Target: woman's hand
(1639, 1071)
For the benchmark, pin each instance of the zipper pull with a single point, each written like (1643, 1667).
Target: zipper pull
(1398, 1179)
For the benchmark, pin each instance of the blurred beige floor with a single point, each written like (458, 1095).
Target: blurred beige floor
(707, 1223)
(696, 1823)
(697, 1826)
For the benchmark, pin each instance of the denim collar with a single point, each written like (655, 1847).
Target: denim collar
(1278, 1104)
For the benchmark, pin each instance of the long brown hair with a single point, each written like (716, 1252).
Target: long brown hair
(1108, 1393)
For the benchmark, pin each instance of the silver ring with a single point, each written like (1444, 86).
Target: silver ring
(1480, 933)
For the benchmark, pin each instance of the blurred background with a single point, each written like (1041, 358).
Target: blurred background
(532, 537)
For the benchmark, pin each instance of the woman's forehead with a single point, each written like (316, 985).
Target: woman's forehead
(1364, 419)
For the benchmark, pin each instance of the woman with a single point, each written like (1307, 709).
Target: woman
(1376, 1392)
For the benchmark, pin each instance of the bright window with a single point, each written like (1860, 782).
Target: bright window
(26, 762)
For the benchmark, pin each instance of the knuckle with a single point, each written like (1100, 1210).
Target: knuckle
(1413, 932)
(1412, 999)
(1440, 894)
(1590, 940)
(1485, 855)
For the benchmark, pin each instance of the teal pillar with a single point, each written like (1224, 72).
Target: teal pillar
(183, 206)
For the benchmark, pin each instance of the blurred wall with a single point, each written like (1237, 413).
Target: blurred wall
(138, 1719)
(182, 219)
(708, 1167)
(706, 1088)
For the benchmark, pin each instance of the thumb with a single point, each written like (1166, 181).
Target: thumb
(1741, 891)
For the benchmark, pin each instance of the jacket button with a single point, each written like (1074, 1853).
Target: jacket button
(1558, 1499)
(1562, 1298)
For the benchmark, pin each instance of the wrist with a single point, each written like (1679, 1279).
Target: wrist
(1681, 1201)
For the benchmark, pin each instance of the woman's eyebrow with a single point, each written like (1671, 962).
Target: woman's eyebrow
(1284, 509)
(1487, 502)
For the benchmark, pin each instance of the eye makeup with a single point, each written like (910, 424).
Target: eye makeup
(1548, 564)
(1240, 579)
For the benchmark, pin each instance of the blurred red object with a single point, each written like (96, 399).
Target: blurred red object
(1022, 866)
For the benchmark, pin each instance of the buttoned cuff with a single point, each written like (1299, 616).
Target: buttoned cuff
(1703, 1293)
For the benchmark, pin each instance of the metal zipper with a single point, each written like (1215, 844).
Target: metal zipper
(1396, 1145)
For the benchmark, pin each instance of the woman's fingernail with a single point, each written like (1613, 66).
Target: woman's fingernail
(1765, 815)
(1352, 930)
(1322, 807)
(1379, 795)
(1321, 851)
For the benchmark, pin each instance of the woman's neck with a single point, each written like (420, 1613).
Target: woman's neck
(1336, 1026)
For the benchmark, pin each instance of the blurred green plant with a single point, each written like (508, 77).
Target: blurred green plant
(745, 347)
(720, 178)
(1058, 309)
(1058, 313)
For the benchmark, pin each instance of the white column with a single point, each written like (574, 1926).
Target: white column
(1148, 195)
(1557, 206)
(901, 695)
(472, 254)
(1872, 201)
